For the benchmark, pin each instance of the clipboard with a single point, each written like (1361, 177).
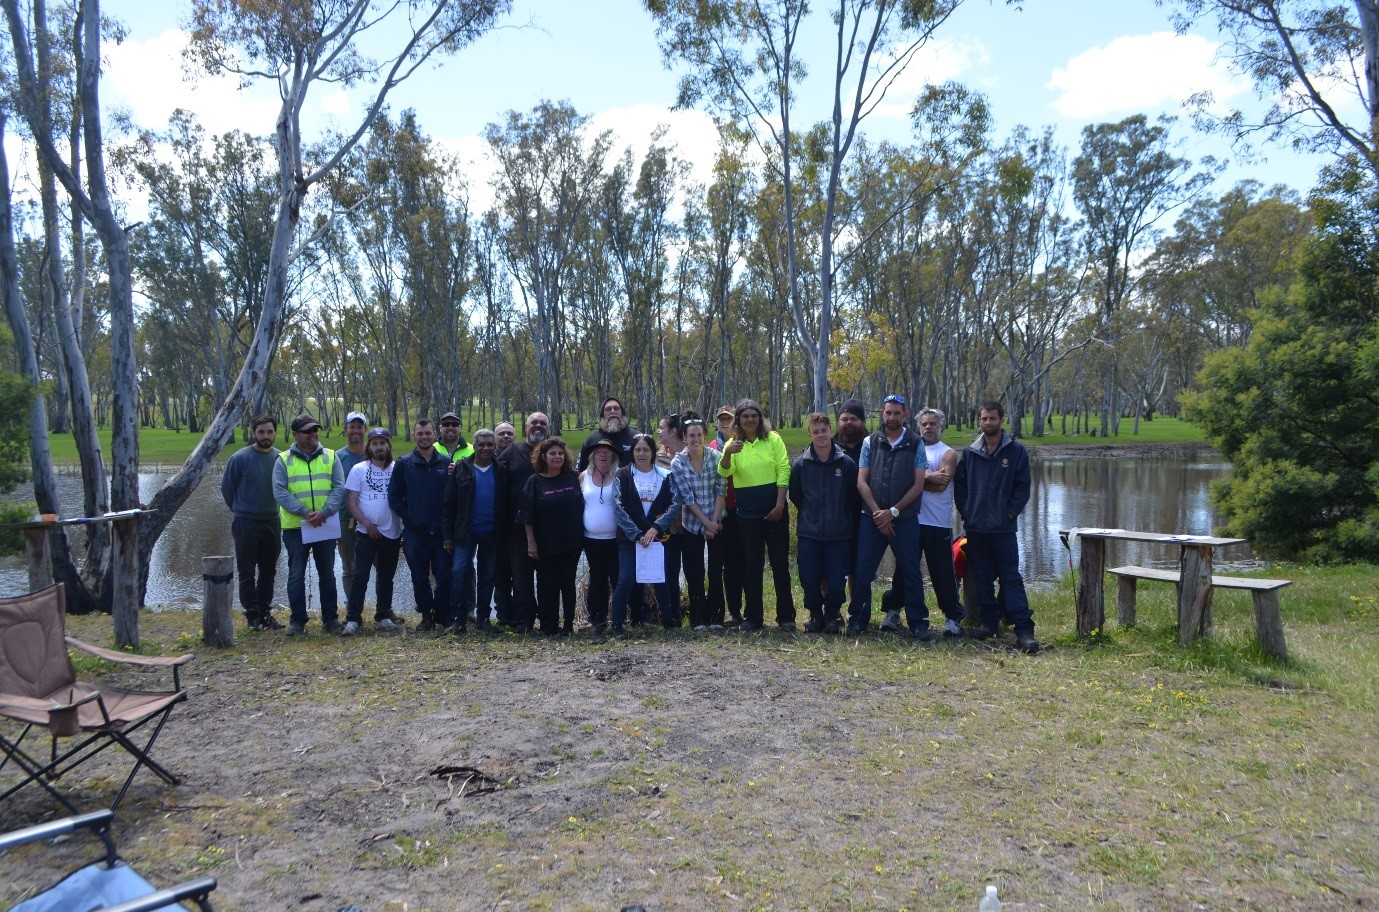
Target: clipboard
(328, 530)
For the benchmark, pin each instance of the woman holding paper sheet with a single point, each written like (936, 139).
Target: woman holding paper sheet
(645, 505)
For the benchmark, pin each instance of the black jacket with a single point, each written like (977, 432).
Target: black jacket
(991, 491)
(622, 445)
(417, 489)
(458, 505)
(891, 473)
(825, 496)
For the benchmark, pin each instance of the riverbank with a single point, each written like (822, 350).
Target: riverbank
(766, 771)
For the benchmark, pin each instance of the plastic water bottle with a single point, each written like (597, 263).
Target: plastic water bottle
(990, 902)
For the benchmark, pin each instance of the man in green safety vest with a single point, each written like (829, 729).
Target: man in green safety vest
(310, 489)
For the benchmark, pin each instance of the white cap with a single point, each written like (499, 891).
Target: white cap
(356, 416)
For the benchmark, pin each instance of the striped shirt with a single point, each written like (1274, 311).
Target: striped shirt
(701, 488)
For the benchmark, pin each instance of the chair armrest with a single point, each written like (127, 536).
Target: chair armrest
(196, 890)
(96, 820)
(44, 704)
(113, 655)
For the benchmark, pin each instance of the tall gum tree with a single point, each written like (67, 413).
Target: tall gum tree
(746, 62)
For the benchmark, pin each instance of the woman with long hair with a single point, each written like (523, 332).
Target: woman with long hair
(551, 508)
(702, 491)
(646, 502)
(756, 461)
(599, 487)
(672, 442)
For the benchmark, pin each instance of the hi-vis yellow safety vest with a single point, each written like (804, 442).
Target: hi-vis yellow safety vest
(309, 481)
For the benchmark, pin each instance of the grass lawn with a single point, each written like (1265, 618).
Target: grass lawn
(161, 446)
(774, 771)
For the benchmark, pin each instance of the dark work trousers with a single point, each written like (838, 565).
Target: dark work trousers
(705, 608)
(258, 542)
(602, 554)
(523, 609)
(823, 562)
(936, 543)
(348, 527)
(673, 545)
(502, 580)
(732, 563)
(380, 557)
(426, 558)
(761, 539)
(993, 556)
(555, 587)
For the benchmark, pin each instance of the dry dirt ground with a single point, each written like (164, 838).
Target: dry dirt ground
(674, 771)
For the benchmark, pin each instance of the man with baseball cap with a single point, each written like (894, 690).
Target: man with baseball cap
(451, 441)
(350, 455)
(310, 489)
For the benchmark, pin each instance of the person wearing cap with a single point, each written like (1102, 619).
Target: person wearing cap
(451, 442)
(614, 428)
(350, 455)
(598, 486)
(469, 526)
(852, 428)
(890, 478)
(309, 488)
(416, 492)
(730, 535)
(378, 535)
(756, 461)
(247, 487)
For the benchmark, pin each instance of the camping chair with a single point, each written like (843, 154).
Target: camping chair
(109, 884)
(38, 689)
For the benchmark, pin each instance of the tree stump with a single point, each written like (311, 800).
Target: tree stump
(216, 627)
(1194, 595)
(1269, 624)
(1126, 593)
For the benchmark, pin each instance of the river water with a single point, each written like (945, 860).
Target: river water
(1147, 494)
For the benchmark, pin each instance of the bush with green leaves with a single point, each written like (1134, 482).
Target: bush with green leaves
(1297, 409)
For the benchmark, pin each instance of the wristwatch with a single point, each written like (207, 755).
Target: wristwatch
(895, 514)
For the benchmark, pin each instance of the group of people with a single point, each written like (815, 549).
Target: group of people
(501, 524)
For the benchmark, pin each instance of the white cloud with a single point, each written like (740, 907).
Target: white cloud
(933, 64)
(691, 135)
(335, 104)
(1140, 72)
(147, 78)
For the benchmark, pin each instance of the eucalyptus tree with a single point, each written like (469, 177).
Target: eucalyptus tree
(746, 63)
(547, 184)
(1126, 179)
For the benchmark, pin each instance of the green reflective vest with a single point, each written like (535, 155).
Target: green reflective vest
(309, 481)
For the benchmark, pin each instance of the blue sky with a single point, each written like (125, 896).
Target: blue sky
(1065, 63)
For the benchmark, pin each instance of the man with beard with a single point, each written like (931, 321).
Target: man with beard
(991, 489)
(468, 524)
(416, 491)
(310, 489)
(379, 535)
(451, 442)
(516, 463)
(852, 428)
(247, 486)
(505, 435)
(613, 428)
(350, 455)
(890, 478)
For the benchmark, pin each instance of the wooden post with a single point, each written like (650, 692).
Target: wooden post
(1126, 591)
(1269, 624)
(39, 557)
(1194, 594)
(124, 581)
(1091, 597)
(216, 626)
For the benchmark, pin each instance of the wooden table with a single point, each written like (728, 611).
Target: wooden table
(1194, 590)
(124, 606)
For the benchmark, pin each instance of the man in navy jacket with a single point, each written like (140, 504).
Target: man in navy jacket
(991, 488)
(416, 492)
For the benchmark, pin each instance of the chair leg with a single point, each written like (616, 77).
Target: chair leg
(141, 757)
(34, 772)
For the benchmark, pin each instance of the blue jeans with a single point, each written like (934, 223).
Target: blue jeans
(426, 557)
(378, 555)
(627, 580)
(871, 545)
(823, 561)
(992, 556)
(323, 552)
(462, 577)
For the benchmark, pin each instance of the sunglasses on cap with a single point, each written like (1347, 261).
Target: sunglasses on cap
(893, 398)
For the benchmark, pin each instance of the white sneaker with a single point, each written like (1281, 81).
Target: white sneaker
(952, 628)
(351, 629)
(892, 621)
(716, 628)
(387, 625)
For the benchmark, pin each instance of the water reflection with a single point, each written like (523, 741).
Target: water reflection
(1160, 495)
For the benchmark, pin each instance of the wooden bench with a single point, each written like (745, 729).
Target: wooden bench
(1268, 614)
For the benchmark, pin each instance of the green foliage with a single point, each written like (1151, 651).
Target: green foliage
(1296, 409)
(15, 398)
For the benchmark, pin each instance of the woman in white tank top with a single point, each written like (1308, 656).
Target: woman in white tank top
(600, 490)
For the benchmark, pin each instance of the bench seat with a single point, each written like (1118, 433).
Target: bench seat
(1268, 613)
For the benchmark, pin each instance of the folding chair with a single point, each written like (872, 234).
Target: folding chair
(109, 884)
(39, 690)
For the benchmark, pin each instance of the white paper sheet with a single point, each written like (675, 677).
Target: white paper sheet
(326, 530)
(651, 563)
